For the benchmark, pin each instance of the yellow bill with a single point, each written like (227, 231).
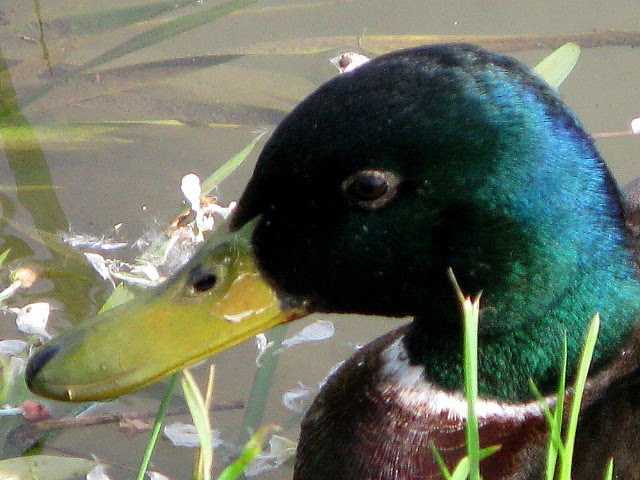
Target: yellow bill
(214, 302)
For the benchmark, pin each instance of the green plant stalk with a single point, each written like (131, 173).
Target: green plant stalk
(157, 424)
(608, 473)
(4, 255)
(471, 314)
(200, 416)
(555, 438)
(262, 381)
(444, 470)
(581, 378)
(251, 450)
(230, 166)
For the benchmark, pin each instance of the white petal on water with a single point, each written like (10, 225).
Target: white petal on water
(296, 399)
(147, 269)
(185, 435)
(156, 476)
(263, 345)
(10, 290)
(99, 264)
(315, 332)
(32, 319)
(191, 189)
(12, 347)
(182, 434)
(224, 212)
(635, 125)
(204, 223)
(9, 411)
(99, 472)
(83, 240)
(281, 449)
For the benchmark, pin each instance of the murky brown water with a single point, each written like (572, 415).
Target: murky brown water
(131, 175)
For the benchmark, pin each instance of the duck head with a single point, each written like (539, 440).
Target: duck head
(366, 194)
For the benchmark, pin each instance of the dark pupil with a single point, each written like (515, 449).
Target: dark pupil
(201, 280)
(368, 186)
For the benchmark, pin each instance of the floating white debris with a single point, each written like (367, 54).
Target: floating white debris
(217, 209)
(9, 411)
(10, 290)
(205, 209)
(315, 332)
(281, 449)
(99, 264)
(132, 279)
(12, 347)
(295, 400)
(150, 271)
(83, 240)
(182, 434)
(99, 472)
(185, 435)
(191, 189)
(156, 476)
(32, 319)
(263, 344)
(635, 126)
(349, 61)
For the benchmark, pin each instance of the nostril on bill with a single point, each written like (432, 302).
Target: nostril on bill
(38, 360)
(202, 279)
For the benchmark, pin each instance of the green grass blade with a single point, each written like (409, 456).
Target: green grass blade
(200, 415)
(558, 65)
(251, 450)
(608, 473)
(213, 180)
(444, 470)
(488, 451)
(157, 424)
(4, 255)
(121, 294)
(555, 433)
(463, 469)
(555, 445)
(581, 378)
(558, 417)
(262, 382)
(169, 30)
(471, 311)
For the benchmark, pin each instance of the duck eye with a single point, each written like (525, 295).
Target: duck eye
(370, 189)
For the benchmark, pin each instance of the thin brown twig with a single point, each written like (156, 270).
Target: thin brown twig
(43, 426)
(618, 134)
(45, 50)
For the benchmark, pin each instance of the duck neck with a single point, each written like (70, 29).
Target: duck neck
(533, 348)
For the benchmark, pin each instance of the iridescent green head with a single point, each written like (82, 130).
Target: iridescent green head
(372, 188)
(438, 157)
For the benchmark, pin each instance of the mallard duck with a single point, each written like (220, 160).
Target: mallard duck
(420, 161)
